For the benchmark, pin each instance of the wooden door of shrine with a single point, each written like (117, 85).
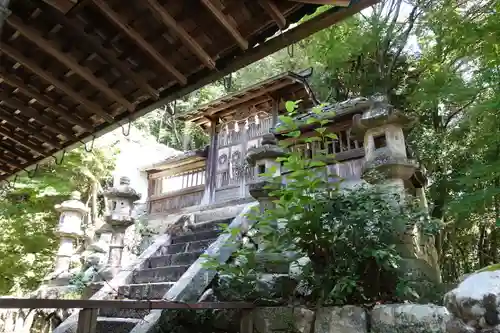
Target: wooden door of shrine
(233, 173)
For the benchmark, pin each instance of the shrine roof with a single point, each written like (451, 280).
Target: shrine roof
(282, 87)
(72, 70)
(177, 160)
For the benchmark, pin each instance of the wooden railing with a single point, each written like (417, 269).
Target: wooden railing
(173, 201)
(177, 191)
(87, 317)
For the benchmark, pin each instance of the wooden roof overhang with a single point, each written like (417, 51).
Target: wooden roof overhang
(192, 159)
(258, 97)
(72, 70)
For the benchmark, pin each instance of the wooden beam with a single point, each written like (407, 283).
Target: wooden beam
(339, 3)
(69, 61)
(108, 55)
(186, 39)
(5, 115)
(221, 17)
(63, 6)
(23, 142)
(43, 100)
(30, 112)
(28, 63)
(272, 10)
(40, 303)
(139, 40)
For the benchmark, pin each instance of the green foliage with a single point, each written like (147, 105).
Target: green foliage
(28, 218)
(349, 236)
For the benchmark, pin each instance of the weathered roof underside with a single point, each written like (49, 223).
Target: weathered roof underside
(72, 70)
(260, 96)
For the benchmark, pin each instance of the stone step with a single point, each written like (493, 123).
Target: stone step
(212, 224)
(116, 325)
(201, 245)
(144, 290)
(123, 313)
(185, 258)
(223, 210)
(159, 274)
(195, 236)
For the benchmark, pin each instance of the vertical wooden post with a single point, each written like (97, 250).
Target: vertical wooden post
(87, 321)
(211, 167)
(246, 323)
(275, 111)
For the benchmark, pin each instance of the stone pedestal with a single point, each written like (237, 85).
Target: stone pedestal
(118, 219)
(387, 164)
(69, 229)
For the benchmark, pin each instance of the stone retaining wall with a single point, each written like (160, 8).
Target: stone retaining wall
(393, 318)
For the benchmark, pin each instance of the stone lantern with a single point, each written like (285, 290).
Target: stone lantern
(118, 219)
(381, 129)
(69, 229)
(264, 159)
(386, 153)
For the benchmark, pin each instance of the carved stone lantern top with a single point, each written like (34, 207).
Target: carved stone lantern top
(72, 205)
(268, 150)
(123, 190)
(379, 114)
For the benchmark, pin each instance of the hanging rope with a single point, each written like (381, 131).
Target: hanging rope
(61, 160)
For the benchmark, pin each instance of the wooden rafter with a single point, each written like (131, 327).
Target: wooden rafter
(42, 99)
(15, 151)
(139, 40)
(273, 11)
(63, 6)
(107, 54)
(30, 64)
(186, 39)
(5, 115)
(30, 112)
(340, 3)
(221, 17)
(11, 135)
(53, 49)
(9, 161)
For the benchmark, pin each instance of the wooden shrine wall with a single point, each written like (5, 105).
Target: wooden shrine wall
(233, 173)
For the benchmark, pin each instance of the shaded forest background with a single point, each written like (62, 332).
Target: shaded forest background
(438, 60)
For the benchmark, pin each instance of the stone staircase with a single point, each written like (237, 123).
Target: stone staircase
(158, 274)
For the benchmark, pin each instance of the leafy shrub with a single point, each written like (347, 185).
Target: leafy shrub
(349, 237)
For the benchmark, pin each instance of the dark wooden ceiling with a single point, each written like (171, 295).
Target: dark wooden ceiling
(71, 70)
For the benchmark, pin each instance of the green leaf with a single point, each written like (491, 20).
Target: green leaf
(290, 106)
(320, 130)
(332, 136)
(293, 134)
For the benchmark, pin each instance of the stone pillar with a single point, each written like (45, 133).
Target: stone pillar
(69, 229)
(264, 159)
(118, 219)
(387, 163)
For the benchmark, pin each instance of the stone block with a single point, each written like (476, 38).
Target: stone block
(346, 319)
(284, 319)
(409, 318)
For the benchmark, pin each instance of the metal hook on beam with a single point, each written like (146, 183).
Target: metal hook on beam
(33, 173)
(126, 133)
(61, 160)
(89, 150)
